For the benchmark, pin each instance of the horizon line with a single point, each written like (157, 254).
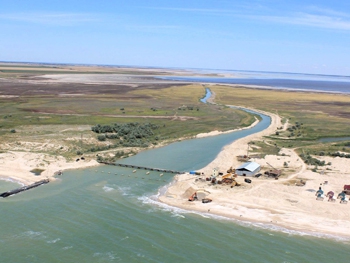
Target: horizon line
(163, 67)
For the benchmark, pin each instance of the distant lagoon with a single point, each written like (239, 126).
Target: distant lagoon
(290, 81)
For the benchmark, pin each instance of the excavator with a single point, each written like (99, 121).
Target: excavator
(193, 197)
(274, 172)
(229, 178)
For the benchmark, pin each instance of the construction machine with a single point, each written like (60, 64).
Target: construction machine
(273, 172)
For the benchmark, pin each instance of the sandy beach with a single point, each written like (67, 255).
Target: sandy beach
(16, 166)
(272, 202)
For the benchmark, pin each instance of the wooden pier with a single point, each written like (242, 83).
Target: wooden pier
(144, 168)
(24, 188)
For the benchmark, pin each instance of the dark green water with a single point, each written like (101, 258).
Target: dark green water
(110, 214)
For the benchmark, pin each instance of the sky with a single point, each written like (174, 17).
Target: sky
(260, 35)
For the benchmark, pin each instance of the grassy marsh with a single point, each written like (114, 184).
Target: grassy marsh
(310, 116)
(52, 121)
(56, 117)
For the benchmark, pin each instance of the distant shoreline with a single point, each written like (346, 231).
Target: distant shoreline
(268, 86)
(194, 70)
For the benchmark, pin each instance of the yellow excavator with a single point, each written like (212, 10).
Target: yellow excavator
(229, 178)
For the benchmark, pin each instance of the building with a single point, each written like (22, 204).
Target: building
(248, 169)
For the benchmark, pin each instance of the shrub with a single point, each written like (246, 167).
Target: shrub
(312, 161)
(101, 137)
(112, 136)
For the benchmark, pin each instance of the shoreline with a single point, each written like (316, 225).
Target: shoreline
(93, 78)
(278, 203)
(285, 89)
(245, 222)
(214, 133)
(264, 87)
(16, 166)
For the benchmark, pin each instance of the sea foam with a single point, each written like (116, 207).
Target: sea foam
(107, 189)
(179, 212)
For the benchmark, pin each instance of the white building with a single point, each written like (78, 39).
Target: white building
(248, 169)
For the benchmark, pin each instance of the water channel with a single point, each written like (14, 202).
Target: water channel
(110, 214)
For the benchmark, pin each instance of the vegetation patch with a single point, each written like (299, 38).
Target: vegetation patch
(131, 134)
(308, 159)
(310, 117)
(341, 149)
(263, 148)
(111, 158)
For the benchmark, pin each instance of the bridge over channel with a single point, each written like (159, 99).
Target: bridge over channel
(145, 168)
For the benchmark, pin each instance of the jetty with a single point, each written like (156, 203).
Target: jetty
(24, 188)
(142, 167)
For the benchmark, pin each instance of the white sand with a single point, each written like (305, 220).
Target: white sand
(17, 166)
(277, 202)
(213, 133)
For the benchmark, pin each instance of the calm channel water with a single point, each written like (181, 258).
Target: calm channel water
(110, 214)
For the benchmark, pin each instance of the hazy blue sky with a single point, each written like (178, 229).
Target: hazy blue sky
(271, 35)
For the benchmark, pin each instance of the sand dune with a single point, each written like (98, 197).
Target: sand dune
(17, 166)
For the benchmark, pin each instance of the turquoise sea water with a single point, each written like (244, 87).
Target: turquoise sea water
(110, 214)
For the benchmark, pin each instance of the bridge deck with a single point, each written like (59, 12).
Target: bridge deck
(142, 167)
